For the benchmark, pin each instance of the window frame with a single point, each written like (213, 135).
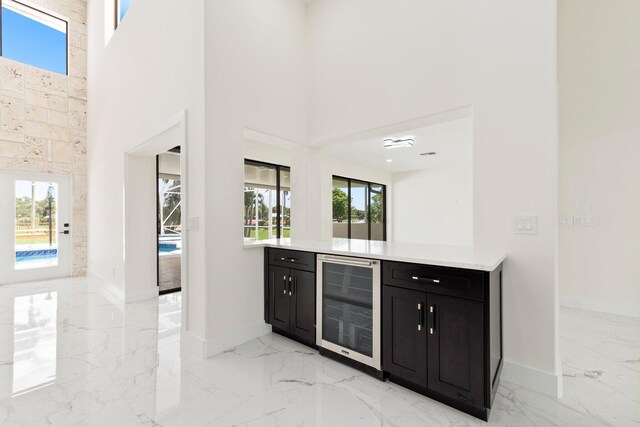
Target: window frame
(116, 19)
(368, 184)
(48, 13)
(279, 213)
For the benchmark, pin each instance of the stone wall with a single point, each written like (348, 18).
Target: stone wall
(43, 119)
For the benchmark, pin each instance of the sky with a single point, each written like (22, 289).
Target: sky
(33, 43)
(124, 7)
(23, 189)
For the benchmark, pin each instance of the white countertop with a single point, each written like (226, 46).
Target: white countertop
(447, 256)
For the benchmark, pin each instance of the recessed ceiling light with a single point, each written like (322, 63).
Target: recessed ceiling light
(389, 160)
(404, 142)
(429, 153)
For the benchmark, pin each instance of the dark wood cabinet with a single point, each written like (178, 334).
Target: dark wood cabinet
(280, 300)
(404, 334)
(290, 297)
(441, 326)
(303, 305)
(456, 345)
(442, 333)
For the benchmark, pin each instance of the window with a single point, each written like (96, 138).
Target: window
(34, 37)
(122, 7)
(359, 209)
(267, 201)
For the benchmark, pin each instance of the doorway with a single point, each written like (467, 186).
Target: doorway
(35, 227)
(169, 221)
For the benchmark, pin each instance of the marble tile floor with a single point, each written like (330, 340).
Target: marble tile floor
(71, 355)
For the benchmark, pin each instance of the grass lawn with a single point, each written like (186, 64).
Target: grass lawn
(263, 233)
(33, 239)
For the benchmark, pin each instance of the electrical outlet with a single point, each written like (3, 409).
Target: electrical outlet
(525, 224)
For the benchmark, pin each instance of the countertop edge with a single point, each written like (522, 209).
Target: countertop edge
(424, 261)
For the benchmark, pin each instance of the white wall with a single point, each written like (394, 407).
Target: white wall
(499, 57)
(255, 79)
(151, 69)
(433, 206)
(599, 80)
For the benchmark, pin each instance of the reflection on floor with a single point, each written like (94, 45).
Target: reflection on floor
(72, 355)
(169, 271)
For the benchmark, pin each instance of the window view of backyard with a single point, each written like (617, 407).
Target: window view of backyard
(169, 221)
(358, 209)
(36, 224)
(267, 201)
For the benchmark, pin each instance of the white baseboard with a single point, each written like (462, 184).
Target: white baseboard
(193, 342)
(234, 338)
(226, 341)
(141, 294)
(611, 307)
(113, 290)
(531, 378)
(121, 294)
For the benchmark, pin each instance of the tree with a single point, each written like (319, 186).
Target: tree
(250, 209)
(340, 205)
(376, 208)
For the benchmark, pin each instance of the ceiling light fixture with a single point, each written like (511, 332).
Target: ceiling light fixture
(389, 160)
(429, 153)
(405, 142)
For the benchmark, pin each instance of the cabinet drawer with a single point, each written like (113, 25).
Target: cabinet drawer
(440, 280)
(293, 259)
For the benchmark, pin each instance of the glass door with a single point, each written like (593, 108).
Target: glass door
(348, 318)
(35, 228)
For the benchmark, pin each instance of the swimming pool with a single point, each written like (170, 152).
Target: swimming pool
(25, 255)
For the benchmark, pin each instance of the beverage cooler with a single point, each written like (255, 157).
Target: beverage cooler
(348, 317)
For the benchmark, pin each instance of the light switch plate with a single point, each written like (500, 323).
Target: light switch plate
(525, 224)
(193, 223)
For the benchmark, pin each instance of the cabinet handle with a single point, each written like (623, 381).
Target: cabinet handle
(425, 279)
(284, 285)
(289, 285)
(288, 259)
(295, 284)
(419, 316)
(432, 314)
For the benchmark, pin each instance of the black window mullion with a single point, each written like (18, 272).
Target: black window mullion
(368, 207)
(277, 202)
(384, 213)
(349, 209)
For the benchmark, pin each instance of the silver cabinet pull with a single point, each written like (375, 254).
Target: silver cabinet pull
(433, 319)
(425, 279)
(419, 317)
(284, 285)
(289, 285)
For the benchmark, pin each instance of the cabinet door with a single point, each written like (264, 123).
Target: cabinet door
(404, 335)
(303, 309)
(456, 349)
(280, 301)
